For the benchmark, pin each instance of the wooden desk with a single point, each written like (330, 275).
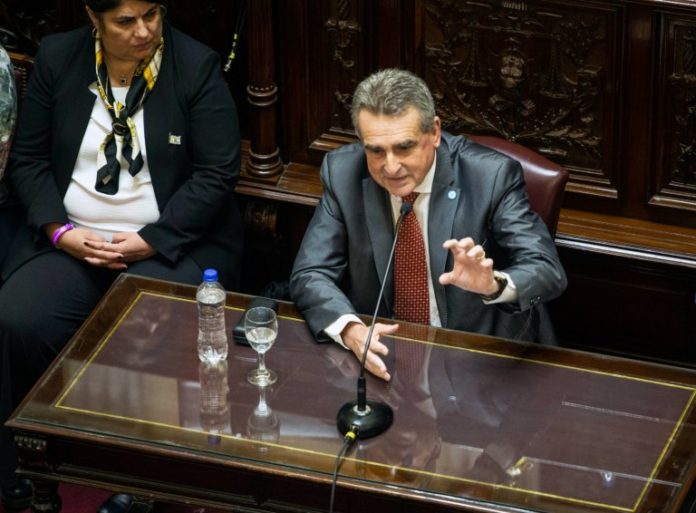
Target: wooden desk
(482, 424)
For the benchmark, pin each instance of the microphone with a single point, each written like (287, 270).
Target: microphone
(370, 418)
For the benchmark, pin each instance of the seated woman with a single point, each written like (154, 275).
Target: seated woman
(125, 158)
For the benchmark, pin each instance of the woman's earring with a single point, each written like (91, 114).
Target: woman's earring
(164, 10)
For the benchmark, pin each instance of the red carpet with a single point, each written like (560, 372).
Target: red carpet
(80, 499)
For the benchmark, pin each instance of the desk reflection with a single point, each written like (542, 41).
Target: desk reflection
(263, 424)
(496, 409)
(408, 452)
(214, 399)
(149, 329)
(489, 413)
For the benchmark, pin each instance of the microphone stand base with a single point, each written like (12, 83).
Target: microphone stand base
(376, 419)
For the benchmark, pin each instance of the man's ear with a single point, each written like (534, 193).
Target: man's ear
(437, 131)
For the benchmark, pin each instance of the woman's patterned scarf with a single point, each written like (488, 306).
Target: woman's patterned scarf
(122, 141)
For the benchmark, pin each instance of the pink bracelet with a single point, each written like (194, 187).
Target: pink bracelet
(60, 232)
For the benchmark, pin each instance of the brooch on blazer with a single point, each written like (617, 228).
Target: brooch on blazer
(175, 139)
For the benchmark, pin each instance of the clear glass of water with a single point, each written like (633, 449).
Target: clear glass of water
(261, 327)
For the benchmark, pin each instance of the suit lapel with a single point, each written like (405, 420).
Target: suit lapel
(72, 116)
(380, 228)
(444, 199)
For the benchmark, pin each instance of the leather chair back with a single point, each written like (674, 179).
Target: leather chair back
(545, 179)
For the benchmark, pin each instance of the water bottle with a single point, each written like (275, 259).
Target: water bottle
(212, 337)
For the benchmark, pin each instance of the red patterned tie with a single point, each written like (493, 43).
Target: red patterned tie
(411, 301)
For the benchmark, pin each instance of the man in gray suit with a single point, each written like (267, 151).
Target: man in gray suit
(490, 260)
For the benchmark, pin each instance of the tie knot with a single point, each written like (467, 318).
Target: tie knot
(410, 198)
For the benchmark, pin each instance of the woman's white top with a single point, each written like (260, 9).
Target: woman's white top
(134, 205)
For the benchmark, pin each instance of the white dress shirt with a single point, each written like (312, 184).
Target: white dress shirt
(134, 205)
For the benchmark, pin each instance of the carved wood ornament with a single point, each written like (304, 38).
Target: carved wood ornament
(683, 85)
(675, 182)
(531, 74)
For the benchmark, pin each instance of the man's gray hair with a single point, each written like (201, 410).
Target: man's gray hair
(391, 92)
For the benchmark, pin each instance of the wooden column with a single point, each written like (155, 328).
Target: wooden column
(262, 94)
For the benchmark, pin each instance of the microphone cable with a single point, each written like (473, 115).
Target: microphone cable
(239, 23)
(348, 440)
(406, 209)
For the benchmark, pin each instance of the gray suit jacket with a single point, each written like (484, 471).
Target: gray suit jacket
(476, 192)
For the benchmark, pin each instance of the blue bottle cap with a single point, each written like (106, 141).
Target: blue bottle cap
(210, 275)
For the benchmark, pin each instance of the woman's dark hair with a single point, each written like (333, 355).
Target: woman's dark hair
(101, 6)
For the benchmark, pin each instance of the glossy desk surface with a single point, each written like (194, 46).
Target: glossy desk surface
(480, 424)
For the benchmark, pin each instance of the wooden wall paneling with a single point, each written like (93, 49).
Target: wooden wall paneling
(334, 45)
(262, 94)
(622, 306)
(273, 233)
(393, 34)
(544, 74)
(636, 147)
(298, 109)
(346, 60)
(23, 24)
(326, 51)
(674, 182)
(317, 37)
(320, 81)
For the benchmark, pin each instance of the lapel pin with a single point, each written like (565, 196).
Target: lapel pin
(452, 194)
(175, 139)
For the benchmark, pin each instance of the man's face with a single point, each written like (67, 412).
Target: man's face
(398, 154)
